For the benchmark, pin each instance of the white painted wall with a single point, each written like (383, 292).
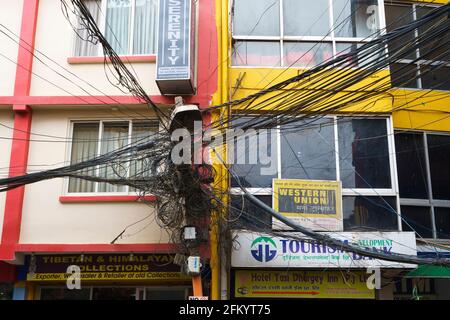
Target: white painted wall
(10, 17)
(46, 220)
(55, 37)
(6, 119)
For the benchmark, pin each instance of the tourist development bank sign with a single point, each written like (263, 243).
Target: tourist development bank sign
(254, 250)
(175, 54)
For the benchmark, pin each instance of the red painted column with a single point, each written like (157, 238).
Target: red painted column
(21, 135)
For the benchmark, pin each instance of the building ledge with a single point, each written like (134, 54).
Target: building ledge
(125, 59)
(96, 198)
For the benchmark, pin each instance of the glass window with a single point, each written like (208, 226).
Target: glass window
(439, 153)
(245, 215)
(369, 213)
(306, 54)
(435, 77)
(355, 18)
(442, 218)
(115, 135)
(261, 18)
(403, 75)
(117, 24)
(432, 76)
(84, 147)
(417, 219)
(364, 153)
(306, 18)
(252, 170)
(307, 150)
(256, 53)
(411, 166)
(305, 23)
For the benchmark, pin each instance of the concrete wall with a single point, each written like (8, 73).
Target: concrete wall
(55, 37)
(46, 220)
(11, 18)
(6, 119)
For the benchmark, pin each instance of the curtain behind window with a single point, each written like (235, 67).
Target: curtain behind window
(115, 136)
(145, 26)
(117, 30)
(84, 147)
(84, 48)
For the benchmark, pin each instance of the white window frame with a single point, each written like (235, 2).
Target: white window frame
(429, 202)
(366, 192)
(102, 24)
(421, 62)
(314, 39)
(101, 122)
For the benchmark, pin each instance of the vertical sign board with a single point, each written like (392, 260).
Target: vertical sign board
(313, 204)
(175, 58)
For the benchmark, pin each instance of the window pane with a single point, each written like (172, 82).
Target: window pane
(366, 58)
(254, 158)
(256, 18)
(306, 54)
(411, 166)
(435, 77)
(355, 18)
(83, 46)
(306, 18)
(403, 75)
(436, 48)
(442, 219)
(84, 147)
(364, 153)
(256, 53)
(115, 136)
(145, 26)
(419, 220)
(65, 294)
(142, 132)
(370, 213)
(439, 153)
(117, 29)
(307, 150)
(245, 215)
(398, 16)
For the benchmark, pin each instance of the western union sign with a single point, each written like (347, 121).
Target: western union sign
(311, 203)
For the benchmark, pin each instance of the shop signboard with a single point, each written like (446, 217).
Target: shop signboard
(295, 250)
(302, 284)
(314, 204)
(104, 267)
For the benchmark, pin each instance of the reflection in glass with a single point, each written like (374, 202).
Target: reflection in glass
(256, 53)
(256, 17)
(306, 54)
(306, 18)
(307, 150)
(364, 153)
(417, 219)
(439, 153)
(355, 18)
(411, 166)
(245, 215)
(370, 213)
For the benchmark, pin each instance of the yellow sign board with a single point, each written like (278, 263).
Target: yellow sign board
(314, 204)
(302, 284)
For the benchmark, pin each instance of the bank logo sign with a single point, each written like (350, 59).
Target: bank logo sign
(263, 249)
